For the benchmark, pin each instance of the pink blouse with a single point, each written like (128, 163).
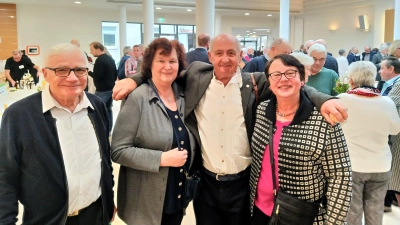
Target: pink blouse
(265, 195)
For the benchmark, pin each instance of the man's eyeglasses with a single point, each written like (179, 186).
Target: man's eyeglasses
(319, 60)
(276, 76)
(65, 72)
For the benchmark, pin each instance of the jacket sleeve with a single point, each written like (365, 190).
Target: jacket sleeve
(316, 97)
(250, 67)
(98, 70)
(337, 170)
(123, 149)
(9, 171)
(394, 94)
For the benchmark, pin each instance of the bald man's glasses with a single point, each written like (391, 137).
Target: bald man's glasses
(65, 72)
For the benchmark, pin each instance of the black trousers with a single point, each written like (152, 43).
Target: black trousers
(91, 215)
(259, 218)
(223, 202)
(172, 219)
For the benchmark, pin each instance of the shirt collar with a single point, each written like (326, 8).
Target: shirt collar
(390, 82)
(48, 102)
(267, 57)
(236, 79)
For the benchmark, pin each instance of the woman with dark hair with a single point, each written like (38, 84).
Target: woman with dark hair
(309, 155)
(151, 142)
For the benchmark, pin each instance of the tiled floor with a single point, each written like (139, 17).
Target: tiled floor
(391, 218)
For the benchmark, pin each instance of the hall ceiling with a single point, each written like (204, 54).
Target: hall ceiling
(225, 7)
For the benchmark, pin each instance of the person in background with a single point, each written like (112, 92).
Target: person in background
(330, 61)
(322, 79)
(309, 153)
(245, 57)
(200, 53)
(59, 165)
(368, 54)
(343, 64)
(394, 49)
(307, 62)
(121, 66)
(131, 64)
(77, 44)
(353, 55)
(372, 118)
(16, 66)
(104, 75)
(146, 144)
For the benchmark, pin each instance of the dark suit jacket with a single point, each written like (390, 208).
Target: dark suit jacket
(377, 59)
(371, 56)
(352, 58)
(199, 54)
(331, 63)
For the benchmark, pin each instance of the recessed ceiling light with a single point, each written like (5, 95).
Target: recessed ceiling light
(246, 14)
(189, 10)
(247, 31)
(269, 15)
(77, 2)
(158, 8)
(254, 32)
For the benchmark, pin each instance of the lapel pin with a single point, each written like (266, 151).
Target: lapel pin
(247, 86)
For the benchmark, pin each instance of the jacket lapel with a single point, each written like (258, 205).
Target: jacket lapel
(196, 93)
(246, 92)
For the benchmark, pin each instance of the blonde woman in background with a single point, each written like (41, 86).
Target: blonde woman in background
(307, 62)
(394, 49)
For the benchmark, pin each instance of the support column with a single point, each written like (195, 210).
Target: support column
(396, 29)
(205, 17)
(217, 29)
(122, 28)
(284, 19)
(148, 21)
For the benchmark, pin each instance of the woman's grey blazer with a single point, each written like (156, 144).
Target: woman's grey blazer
(142, 132)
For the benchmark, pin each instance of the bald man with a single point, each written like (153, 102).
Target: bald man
(200, 53)
(17, 65)
(77, 44)
(278, 46)
(214, 94)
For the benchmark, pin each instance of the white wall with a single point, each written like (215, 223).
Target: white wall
(49, 25)
(345, 23)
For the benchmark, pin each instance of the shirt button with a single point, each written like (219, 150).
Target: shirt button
(181, 170)
(222, 146)
(223, 96)
(180, 128)
(223, 160)
(223, 113)
(182, 142)
(179, 196)
(222, 129)
(180, 183)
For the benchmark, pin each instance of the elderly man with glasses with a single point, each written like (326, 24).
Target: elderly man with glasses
(322, 79)
(55, 151)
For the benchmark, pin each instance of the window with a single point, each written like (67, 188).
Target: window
(109, 36)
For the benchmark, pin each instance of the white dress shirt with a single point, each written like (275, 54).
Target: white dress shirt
(80, 150)
(220, 120)
(343, 65)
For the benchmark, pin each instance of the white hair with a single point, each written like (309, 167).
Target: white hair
(383, 47)
(318, 48)
(244, 50)
(61, 49)
(304, 59)
(126, 50)
(362, 73)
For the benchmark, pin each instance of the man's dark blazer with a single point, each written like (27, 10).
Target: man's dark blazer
(351, 57)
(199, 54)
(371, 55)
(331, 63)
(377, 59)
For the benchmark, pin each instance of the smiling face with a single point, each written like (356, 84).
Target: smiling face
(225, 57)
(66, 88)
(319, 61)
(164, 68)
(284, 88)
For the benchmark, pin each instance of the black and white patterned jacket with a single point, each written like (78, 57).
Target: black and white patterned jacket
(312, 154)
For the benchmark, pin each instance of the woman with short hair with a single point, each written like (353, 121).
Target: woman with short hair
(372, 118)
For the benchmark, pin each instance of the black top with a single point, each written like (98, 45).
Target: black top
(18, 69)
(104, 73)
(176, 177)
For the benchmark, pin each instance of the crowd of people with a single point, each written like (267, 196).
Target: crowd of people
(251, 123)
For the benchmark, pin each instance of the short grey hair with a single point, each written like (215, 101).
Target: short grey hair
(362, 73)
(244, 50)
(383, 47)
(318, 48)
(61, 49)
(342, 51)
(16, 51)
(126, 50)
(304, 59)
